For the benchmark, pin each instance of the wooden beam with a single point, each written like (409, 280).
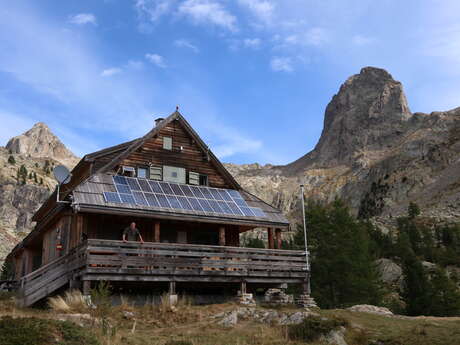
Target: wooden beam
(278, 238)
(221, 236)
(271, 243)
(157, 232)
(87, 287)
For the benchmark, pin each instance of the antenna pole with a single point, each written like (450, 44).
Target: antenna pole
(307, 261)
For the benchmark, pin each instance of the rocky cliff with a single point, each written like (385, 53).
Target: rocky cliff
(26, 180)
(373, 153)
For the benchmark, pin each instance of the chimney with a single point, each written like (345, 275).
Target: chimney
(158, 120)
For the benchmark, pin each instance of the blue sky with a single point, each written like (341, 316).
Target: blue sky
(252, 76)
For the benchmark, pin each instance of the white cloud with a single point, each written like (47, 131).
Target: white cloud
(182, 43)
(208, 12)
(316, 36)
(252, 42)
(361, 40)
(110, 72)
(156, 60)
(281, 64)
(135, 65)
(153, 9)
(262, 9)
(82, 19)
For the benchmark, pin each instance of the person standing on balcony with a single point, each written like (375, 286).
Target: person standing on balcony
(131, 233)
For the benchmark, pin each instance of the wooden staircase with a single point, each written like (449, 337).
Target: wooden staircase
(50, 277)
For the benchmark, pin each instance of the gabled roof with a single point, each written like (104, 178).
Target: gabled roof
(129, 147)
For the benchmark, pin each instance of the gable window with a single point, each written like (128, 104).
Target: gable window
(203, 180)
(142, 172)
(128, 171)
(167, 143)
(173, 174)
(156, 172)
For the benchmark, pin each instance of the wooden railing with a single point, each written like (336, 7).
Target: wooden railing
(119, 260)
(50, 277)
(132, 261)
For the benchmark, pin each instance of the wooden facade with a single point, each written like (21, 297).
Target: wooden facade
(78, 240)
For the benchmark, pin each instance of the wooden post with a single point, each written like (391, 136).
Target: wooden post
(157, 232)
(172, 288)
(271, 243)
(86, 287)
(221, 236)
(278, 238)
(243, 288)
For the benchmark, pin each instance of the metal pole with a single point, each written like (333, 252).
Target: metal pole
(305, 237)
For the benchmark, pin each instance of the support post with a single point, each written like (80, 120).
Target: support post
(172, 293)
(271, 242)
(156, 237)
(278, 238)
(221, 236)
(172, 288)
(86, 287)
(243, 288)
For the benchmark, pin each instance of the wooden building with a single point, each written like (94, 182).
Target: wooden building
(190, 212)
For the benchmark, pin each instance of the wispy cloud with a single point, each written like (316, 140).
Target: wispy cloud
(156, 59)
(281, 64)
(208, 12)
(153, 9)
(252, 42)
(262, 9)
(183, 43)
(82, 19)
(110, 72)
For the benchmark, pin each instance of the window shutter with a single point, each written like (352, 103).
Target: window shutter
(156, 173)
(193, 178)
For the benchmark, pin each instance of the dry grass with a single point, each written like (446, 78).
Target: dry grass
(160, 324)
(72, 302)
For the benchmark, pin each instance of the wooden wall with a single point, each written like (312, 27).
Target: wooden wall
(192, 158)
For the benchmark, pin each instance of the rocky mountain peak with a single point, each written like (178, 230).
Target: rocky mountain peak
(369, 113)
(40, 142)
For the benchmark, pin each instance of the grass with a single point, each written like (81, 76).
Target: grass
(187, 324)
(36, 331)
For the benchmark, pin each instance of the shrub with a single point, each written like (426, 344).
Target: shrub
(73, 301)
(314, 327)
(35, 331)
(11, 160)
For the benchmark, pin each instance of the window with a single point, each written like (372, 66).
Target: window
(167, 143)
(197, 179)
(193, 178)
(142, 172)
(203, 180)
(128, 171)
(156, 172)
(173, 174)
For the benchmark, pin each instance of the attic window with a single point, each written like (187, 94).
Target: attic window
(167, 143)
(142, 172)
(128, 171)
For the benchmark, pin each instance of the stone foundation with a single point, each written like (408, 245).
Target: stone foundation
(306, 301)
(278, 296)
(246, 299)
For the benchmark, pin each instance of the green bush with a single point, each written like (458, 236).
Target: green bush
(34, 331)
(314, 327)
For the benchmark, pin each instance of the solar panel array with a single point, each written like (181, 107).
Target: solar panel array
(166, 195)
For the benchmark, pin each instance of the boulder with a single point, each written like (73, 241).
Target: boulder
(372, 309)
(389, 272)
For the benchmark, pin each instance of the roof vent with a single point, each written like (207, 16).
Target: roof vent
(158, 120)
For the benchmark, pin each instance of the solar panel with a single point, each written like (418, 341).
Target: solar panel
(176, 189)
(123, 188)
(141, 191)
(132, 182)
(155, 187)
(120, 179)
(145, 186)
(127, 198)
(152, 200)
(140, 199)
(111, 197)
(247, 211)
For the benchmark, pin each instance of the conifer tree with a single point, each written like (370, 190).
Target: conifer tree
(11, 160)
